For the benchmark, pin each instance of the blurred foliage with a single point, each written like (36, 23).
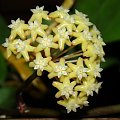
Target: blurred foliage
(105, 14)
(7, 94)
(3, 70)
(110, 62)
(7, 97)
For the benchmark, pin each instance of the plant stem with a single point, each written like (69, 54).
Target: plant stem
(68, 57)
(64, 52)
(27, 82)
(105, 110)
(21, 105)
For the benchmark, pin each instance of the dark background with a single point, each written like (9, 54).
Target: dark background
(106, 15)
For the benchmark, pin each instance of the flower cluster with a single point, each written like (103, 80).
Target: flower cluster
(71, 53)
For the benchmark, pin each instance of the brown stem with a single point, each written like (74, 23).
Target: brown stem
(63, 52)
(20, 90)
(107, 110)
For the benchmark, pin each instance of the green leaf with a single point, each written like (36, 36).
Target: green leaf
(3, 69)
(105, 14)
(4, 31)
(110, 62)
(7, 97)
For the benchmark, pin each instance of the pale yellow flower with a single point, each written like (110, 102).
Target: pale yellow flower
(89, 86)
(40, 64)
(65, 88)
(60, 12)
(58, 69)
(18, 27)
(81, 21)
(82, 101)
(10, 45)
(62, 37)
(82, 17)
(37, 29)
(46, 43)
(78, 70)
(23, 48)
(67, 22)
(94, 68)
(86, 34)
(79, 39)
(71, 104)
(91, 51)
(38, 14)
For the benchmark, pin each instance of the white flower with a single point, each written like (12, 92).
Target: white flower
(67, 91)
(60, 70)
(81, 72)
(20, 45)
(87, 35)
(69, 19)
(85, 103)
(38, 9)
(98, 49)
(89, 86)
(40, 64)
(63, 34)
(16, 24)
(46, 42)
(6, 43)
(97, 86)
(62, 10)
(101, 40)
(65, 88)
(34, 25)
(97, 70)
(96, 30)
(83, 17)
(72, 105)
(36, 28)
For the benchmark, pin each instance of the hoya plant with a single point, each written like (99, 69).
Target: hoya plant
(70, 52)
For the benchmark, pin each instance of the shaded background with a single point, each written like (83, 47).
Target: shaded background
(106, 15)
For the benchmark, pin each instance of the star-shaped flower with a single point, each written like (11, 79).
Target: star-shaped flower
(65, 88)
(81, 21)
(10, 45)
(82, 17)
(37, 29)
(58, 69)
(62, 36)
(78, 70)
(45, 44)
(94, 68)
(86, 34)
(98, 50)
(91, 52)
(18, 27)
(71, 104)
(60, 12)
(79, 39)
(38, 14)
(89, 86)
(23, 47)
(40, 64)
(82, 100)
(67, 22)
(95, 32)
